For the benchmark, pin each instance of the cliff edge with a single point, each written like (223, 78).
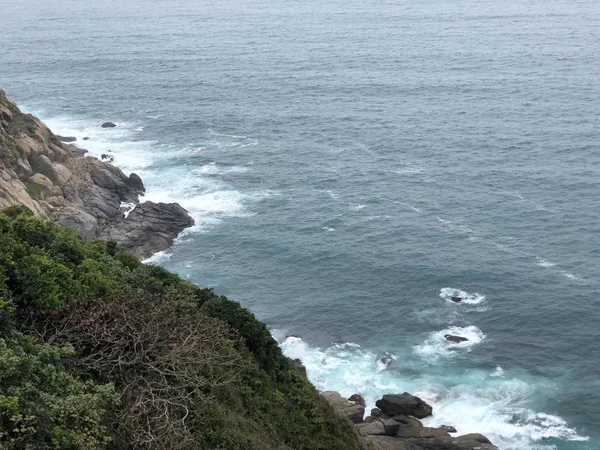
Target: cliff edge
(55, 181)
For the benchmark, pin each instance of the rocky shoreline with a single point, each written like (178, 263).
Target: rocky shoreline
(394, 424)
(55, 180)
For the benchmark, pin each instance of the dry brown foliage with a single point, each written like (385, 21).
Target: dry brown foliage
(165, 360)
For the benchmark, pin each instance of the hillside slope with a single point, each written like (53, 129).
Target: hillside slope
(100, 351)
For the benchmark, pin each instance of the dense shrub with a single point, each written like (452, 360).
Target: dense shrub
(100, 351)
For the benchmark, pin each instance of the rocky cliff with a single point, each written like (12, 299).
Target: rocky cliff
(56, 181)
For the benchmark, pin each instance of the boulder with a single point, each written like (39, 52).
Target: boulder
(76, 151)
(448, 428)
(376, 412)
(375, 427)
(108, 125)
(375, 442)
(343, 407)
(135, 182)
(86, 138)
(40, 179)
(391, 427)
(66, 138)
(456, 299)
(63, 175)
(455, 339)
(404, 404)
(357, 398)
(81, 221)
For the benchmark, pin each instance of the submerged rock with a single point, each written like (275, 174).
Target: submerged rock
(455, 339)
(457, 299)
(108, 125)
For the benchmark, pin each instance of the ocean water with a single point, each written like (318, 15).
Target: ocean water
(351, 166)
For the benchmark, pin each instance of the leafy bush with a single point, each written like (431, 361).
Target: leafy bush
(100, 351)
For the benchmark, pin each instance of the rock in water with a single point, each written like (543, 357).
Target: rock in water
(108, 125)
(405, 404)
(456, 299)
(149, 228)
(455, 339)
(66, 138)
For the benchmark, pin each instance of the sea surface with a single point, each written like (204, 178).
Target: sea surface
(352, 165)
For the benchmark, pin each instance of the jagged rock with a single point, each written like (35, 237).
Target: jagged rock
(66, 138)
(455, 339)
(149, 228)
(343, 407)
(357, 398)
(405, 404)
(448, 428)
(135, 182)
(108, 125)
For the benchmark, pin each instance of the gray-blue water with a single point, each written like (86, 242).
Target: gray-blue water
(351, 165)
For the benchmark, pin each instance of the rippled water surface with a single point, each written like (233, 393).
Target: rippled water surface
(351, 166)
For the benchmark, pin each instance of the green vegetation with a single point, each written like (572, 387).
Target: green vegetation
(35, 191)
(98, 351)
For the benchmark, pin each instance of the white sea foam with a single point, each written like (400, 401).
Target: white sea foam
(357, 207)
(208, 200)
(494, 404)
(437, 346)
(214, 169)
(469, 298)
(328, 229)
(546, 264)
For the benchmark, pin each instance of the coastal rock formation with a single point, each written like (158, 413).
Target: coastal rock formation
(404, 404)
(386, 429)
(55, 181)
(343, 407)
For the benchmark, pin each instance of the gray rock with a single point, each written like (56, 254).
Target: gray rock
(448, 428)
(76, 151)
(375, 427)
(66, 138)
(81, 221)
(391, 427)
(343, 407)
(86, 138)
(389, 443)
(135, 182)
(357, 398)
(149, 228)
(108, 125)
(405, 404)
